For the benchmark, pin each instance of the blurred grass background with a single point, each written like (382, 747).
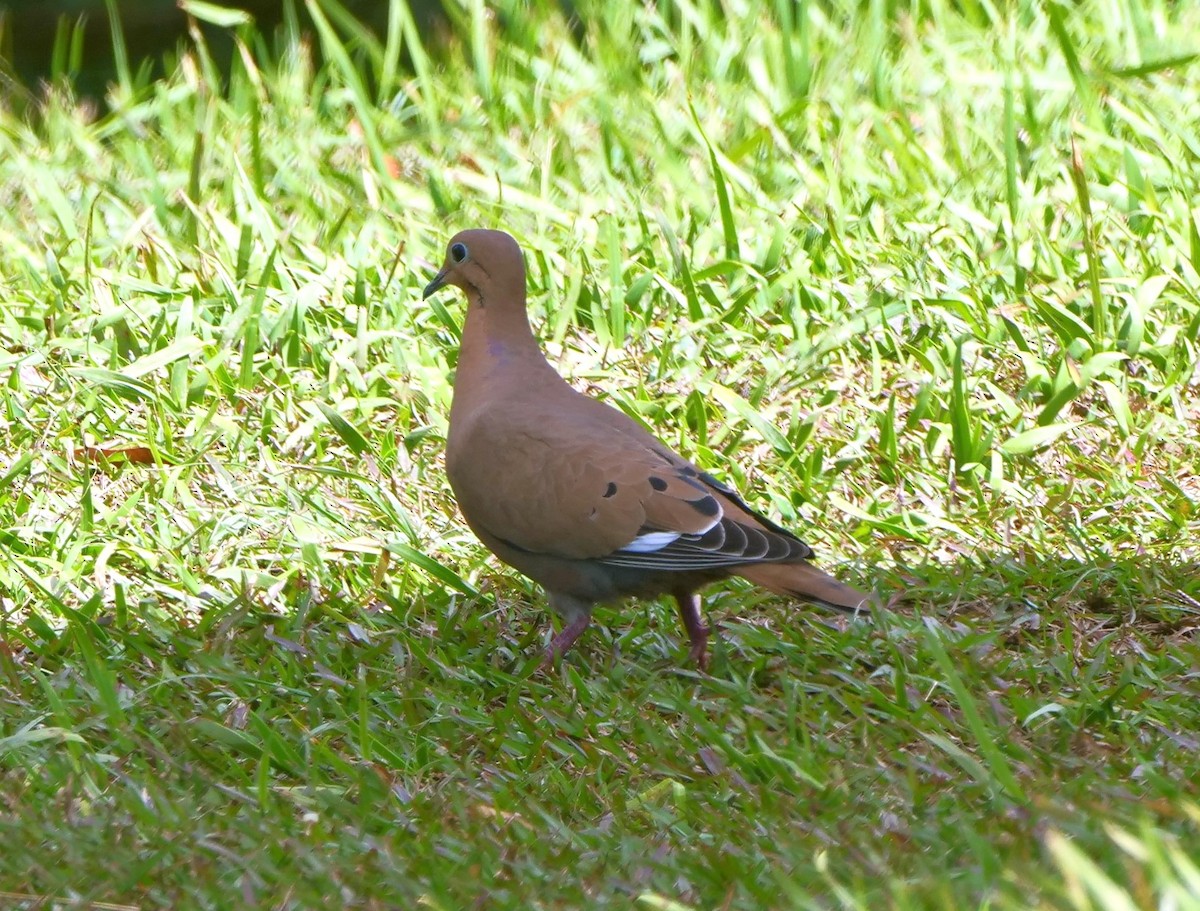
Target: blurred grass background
(150, 30)
(921, 278)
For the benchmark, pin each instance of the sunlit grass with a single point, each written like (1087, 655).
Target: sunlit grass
(921, 280)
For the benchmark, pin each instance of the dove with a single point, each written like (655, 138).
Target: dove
(579, 496)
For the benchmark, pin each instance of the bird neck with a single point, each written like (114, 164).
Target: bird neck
(499, 350)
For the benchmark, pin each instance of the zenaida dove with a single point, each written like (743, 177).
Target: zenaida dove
(578, 496)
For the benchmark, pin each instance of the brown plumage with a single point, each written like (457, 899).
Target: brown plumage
(578, 496)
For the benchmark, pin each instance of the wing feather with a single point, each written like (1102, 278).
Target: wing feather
(576, 489)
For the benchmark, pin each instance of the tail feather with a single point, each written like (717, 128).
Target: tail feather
(803, 580)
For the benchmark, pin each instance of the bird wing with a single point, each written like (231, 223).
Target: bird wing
(564, 485)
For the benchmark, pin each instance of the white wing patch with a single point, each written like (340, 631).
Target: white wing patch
(651, 541)
(657, 540)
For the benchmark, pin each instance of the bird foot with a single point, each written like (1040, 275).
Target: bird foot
(698, 653)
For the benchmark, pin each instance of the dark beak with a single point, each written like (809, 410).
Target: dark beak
(438, 281)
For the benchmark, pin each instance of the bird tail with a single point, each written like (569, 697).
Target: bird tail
(803, 580)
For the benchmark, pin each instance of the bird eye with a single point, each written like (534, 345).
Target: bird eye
(458, 252)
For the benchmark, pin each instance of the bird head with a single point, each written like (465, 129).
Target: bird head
(476, 260)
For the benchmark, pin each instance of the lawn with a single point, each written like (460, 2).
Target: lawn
(922, 279)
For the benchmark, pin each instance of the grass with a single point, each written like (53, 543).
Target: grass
(920, 278)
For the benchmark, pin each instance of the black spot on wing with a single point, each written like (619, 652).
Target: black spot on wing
(610, 491)
(727, 543)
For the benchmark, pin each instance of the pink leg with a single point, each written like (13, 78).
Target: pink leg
(693, 622)
(577, 615)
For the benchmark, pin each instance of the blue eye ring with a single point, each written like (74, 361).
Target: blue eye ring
(458, 252)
